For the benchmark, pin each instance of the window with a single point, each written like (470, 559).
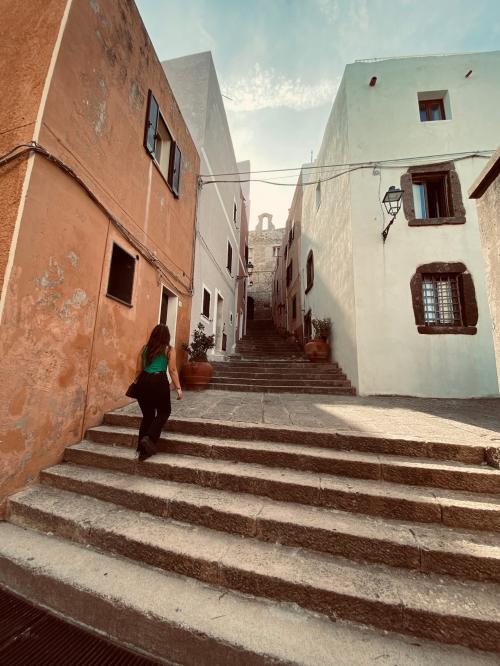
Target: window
(318, 195)
(289, 273)
(205, 308)
(246, 254)
(160, 145)
(291, 235)
(276, 251)
(231, 318)
(444, 299)
(432, 195)
(309, 271)
(235, 212)
(294, 308)
(286, 252)
(431, 109)
(121, 275)
(229, 264)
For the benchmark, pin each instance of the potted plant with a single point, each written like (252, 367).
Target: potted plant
(197, 372)
(318, 349)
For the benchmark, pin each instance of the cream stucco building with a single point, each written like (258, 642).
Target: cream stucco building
(219, 264)
(410, 315)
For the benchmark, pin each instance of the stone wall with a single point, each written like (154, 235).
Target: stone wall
(261, 244)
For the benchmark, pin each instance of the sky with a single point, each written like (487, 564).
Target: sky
(280, 62)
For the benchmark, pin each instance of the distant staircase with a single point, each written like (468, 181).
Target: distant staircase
(266, 362)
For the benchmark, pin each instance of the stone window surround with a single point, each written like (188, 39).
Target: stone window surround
(455, 193)
(467, 296)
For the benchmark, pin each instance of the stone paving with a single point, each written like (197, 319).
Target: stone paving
(462, 421)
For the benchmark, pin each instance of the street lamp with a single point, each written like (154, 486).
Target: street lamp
(392, 203)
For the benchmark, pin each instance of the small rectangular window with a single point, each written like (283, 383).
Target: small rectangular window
(289, 273)
(246, 254)
(229, 264)
(206, 303)
(175, 174)
(276, 251)
(235, 212)
(294, 308)
(431, 109)
(121, 275)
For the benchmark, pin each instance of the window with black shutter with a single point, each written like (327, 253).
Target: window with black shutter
(229, 264)
(309, 271)
(121, 275)
(206, 303)
(161, 147)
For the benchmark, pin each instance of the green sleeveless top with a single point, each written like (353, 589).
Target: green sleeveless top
(158, 364)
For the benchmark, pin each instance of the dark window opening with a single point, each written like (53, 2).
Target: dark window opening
(224, 342)
(294, 308)
(235, 212)
(121, 275)
(246, 254)
(431, 109)
(431, 196)
(286, 252)
(229, 264)
(309, 271)
(206, 304)
(289, 273)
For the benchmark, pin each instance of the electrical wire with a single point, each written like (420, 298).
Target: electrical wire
(384, 164)
(351, 164)
(33, 147)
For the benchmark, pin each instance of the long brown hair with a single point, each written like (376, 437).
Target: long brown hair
(158, 343)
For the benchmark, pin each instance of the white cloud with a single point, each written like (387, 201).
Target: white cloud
(265, 89)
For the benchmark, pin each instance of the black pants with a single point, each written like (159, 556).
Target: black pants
(153, 396)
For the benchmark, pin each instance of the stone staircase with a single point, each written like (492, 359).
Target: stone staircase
(266, 362)
(251, 544)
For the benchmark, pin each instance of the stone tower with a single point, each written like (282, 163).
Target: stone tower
(263, 246)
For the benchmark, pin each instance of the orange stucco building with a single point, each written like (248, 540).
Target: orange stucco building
(97, 231)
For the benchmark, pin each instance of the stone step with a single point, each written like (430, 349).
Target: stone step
(292, 376)
(465, 613)
(177, 619)
(425, 548)
(353, 464)
(282, 388)
(376, 498)
(330, 439)
(273, 368)
(283, 380)
(301, 361)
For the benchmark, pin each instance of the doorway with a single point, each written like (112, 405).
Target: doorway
(219, 321)
(250, 307)
(169, 304)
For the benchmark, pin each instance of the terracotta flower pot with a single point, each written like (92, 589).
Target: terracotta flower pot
(317, 351)
(196, 375)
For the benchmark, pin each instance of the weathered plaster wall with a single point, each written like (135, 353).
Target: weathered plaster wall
(486, 191)
(393, 357)
(327, 231)
(68, 350)
(35, 23)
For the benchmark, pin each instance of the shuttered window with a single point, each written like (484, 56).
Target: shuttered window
(160, 145)
(229, 265)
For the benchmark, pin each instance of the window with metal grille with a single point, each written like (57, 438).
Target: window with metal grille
(441, 299)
